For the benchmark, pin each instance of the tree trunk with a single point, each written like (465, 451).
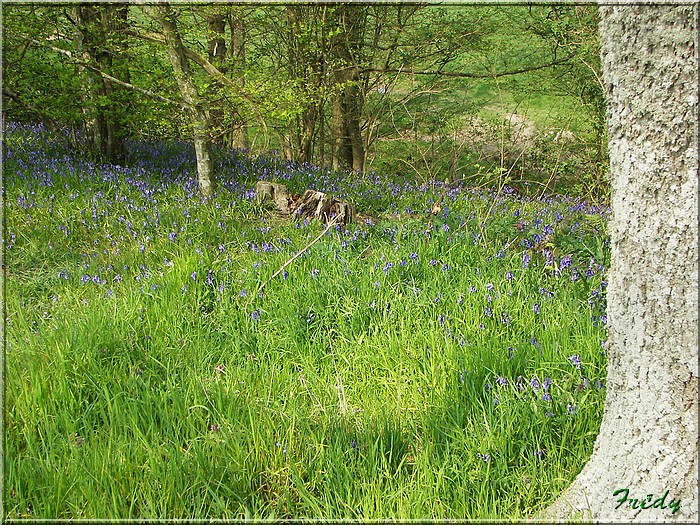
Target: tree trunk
(348, 143)
(644, 463)
(239, 136)
(216, 26)
(198, 117)
(97, 39)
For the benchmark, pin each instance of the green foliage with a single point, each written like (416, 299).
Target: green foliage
(289, 64)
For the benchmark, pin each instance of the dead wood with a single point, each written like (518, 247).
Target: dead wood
(275, 192)
(311, 205)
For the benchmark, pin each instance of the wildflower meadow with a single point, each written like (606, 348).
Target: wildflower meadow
(412, 365)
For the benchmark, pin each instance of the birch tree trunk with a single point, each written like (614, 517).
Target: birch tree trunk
(644, 464)
(183, 75)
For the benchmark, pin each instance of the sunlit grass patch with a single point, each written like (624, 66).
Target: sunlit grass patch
(155, 369)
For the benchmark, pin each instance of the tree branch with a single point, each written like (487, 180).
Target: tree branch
(86, 65)
(210, 68)
(48, 121)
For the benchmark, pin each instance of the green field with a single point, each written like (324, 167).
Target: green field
(387, 373)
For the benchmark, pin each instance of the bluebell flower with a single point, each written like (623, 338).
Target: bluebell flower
(575, 360)
(255, 315)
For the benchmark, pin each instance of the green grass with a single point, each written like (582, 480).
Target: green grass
(161, 385)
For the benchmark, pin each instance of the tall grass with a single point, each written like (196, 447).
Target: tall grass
(386, 374)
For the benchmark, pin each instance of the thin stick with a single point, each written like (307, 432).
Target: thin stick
(330, 225)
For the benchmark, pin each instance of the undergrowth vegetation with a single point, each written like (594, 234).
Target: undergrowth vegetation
(405, 366)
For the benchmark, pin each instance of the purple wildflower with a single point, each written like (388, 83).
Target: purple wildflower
(575, 360)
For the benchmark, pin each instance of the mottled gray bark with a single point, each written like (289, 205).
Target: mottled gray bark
(647, 447)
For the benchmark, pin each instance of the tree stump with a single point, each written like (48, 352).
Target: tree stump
(311, 205)
(275, 192)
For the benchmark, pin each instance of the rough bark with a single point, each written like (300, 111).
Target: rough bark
(647, 448)
(239, 136)
(183, 75)
(311, 205)
(320, 206)
(99, 43)
(348, 143)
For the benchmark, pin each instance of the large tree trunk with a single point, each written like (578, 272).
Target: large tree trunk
(645, 456)
(198, 117)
